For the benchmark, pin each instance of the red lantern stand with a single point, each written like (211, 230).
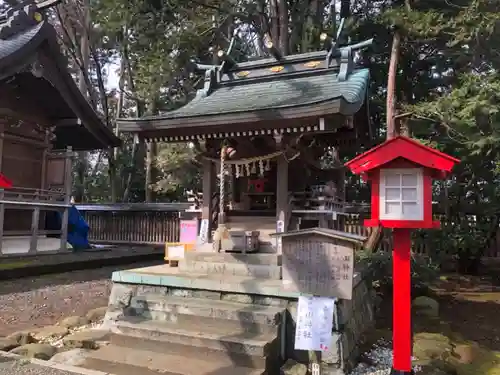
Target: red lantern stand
(401, 171)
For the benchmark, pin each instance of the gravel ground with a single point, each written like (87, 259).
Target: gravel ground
(41, 301)
(21, 367)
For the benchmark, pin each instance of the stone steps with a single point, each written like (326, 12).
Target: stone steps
(185, 311)
(199, 335)
(253, 259)
(120, 360)
(221, 357)
(231, 269)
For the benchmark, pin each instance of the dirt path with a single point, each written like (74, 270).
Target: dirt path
(27, 303)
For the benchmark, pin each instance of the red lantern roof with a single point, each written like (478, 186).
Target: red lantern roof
(5, 183)
(401, 147)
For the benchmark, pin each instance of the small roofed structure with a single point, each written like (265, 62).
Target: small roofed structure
(265, 127)
(44, 118)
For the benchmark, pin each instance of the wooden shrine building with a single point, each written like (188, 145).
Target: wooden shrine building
(43, 119)
(274, 129)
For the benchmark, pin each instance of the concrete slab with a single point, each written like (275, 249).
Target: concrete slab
(164, 275)
(21, 244)
(26, 265)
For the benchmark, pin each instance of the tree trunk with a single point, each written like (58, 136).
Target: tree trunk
(113, 176)
(391, 86)
(275, 26)
(151, 151)
(82, 164)
(283, 26)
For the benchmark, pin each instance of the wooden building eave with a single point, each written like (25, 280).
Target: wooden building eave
(34, 43)
(260, 107)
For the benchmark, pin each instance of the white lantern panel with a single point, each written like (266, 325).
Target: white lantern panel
(410, 209)
(392, 208)
(393, 194)
(401, 194)
(410, 194)
(410, 180)
(393, 180)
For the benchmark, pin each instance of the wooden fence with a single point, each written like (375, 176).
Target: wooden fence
(141, 224)
(155, 224)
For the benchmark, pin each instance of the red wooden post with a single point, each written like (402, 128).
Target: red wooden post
(401, 308)
(401, 171)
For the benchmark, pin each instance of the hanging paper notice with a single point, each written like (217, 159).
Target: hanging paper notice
(314, 323)
(189, 231)
(203, 238)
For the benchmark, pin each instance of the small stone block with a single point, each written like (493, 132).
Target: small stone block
(50, 332)
(22, 337)
(7, 344)
(38, 351)
(292, 367)
(89, 339)
(97, 314)
(74, 321)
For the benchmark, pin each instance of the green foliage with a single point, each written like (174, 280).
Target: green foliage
(178, 171)
(378, 270)
(462, 240)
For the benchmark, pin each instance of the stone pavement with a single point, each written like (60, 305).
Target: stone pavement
(12, 267)
(15, 365)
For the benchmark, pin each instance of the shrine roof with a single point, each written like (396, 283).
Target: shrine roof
(35, 83)
(304, 86)
(401, 147)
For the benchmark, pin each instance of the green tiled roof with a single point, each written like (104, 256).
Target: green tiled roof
(278, 93)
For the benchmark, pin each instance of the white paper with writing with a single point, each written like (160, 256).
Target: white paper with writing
(203, 236)
(314, 323)
(176, 252)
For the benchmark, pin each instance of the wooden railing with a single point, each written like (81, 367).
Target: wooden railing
(142, 224)
(157, 223)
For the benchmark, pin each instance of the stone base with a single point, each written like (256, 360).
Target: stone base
(351, 318)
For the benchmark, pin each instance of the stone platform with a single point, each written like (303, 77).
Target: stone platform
(35, 264)
(217, 315)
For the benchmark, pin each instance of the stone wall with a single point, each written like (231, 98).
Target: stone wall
(353, 318)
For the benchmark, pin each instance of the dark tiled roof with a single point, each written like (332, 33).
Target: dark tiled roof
(25, 37)
(278, 94)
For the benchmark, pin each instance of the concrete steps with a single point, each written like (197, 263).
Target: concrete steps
(119, 360)
(181, 310)
(200, 335)
(253, 259)
(259, 266)
(183, 335)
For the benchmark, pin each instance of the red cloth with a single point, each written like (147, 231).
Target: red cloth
(5, 183)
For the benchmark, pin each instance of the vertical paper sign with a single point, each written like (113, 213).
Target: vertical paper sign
(280, 228)
(189, 231)
(203, 238)
(314, 323)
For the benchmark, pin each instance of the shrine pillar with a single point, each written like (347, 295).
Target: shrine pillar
(282, 210)
(207, 210)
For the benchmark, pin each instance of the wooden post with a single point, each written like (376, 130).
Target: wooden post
(2, 205)
(67, 197)
(281, 198)
(35, 221)
(208, 191)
